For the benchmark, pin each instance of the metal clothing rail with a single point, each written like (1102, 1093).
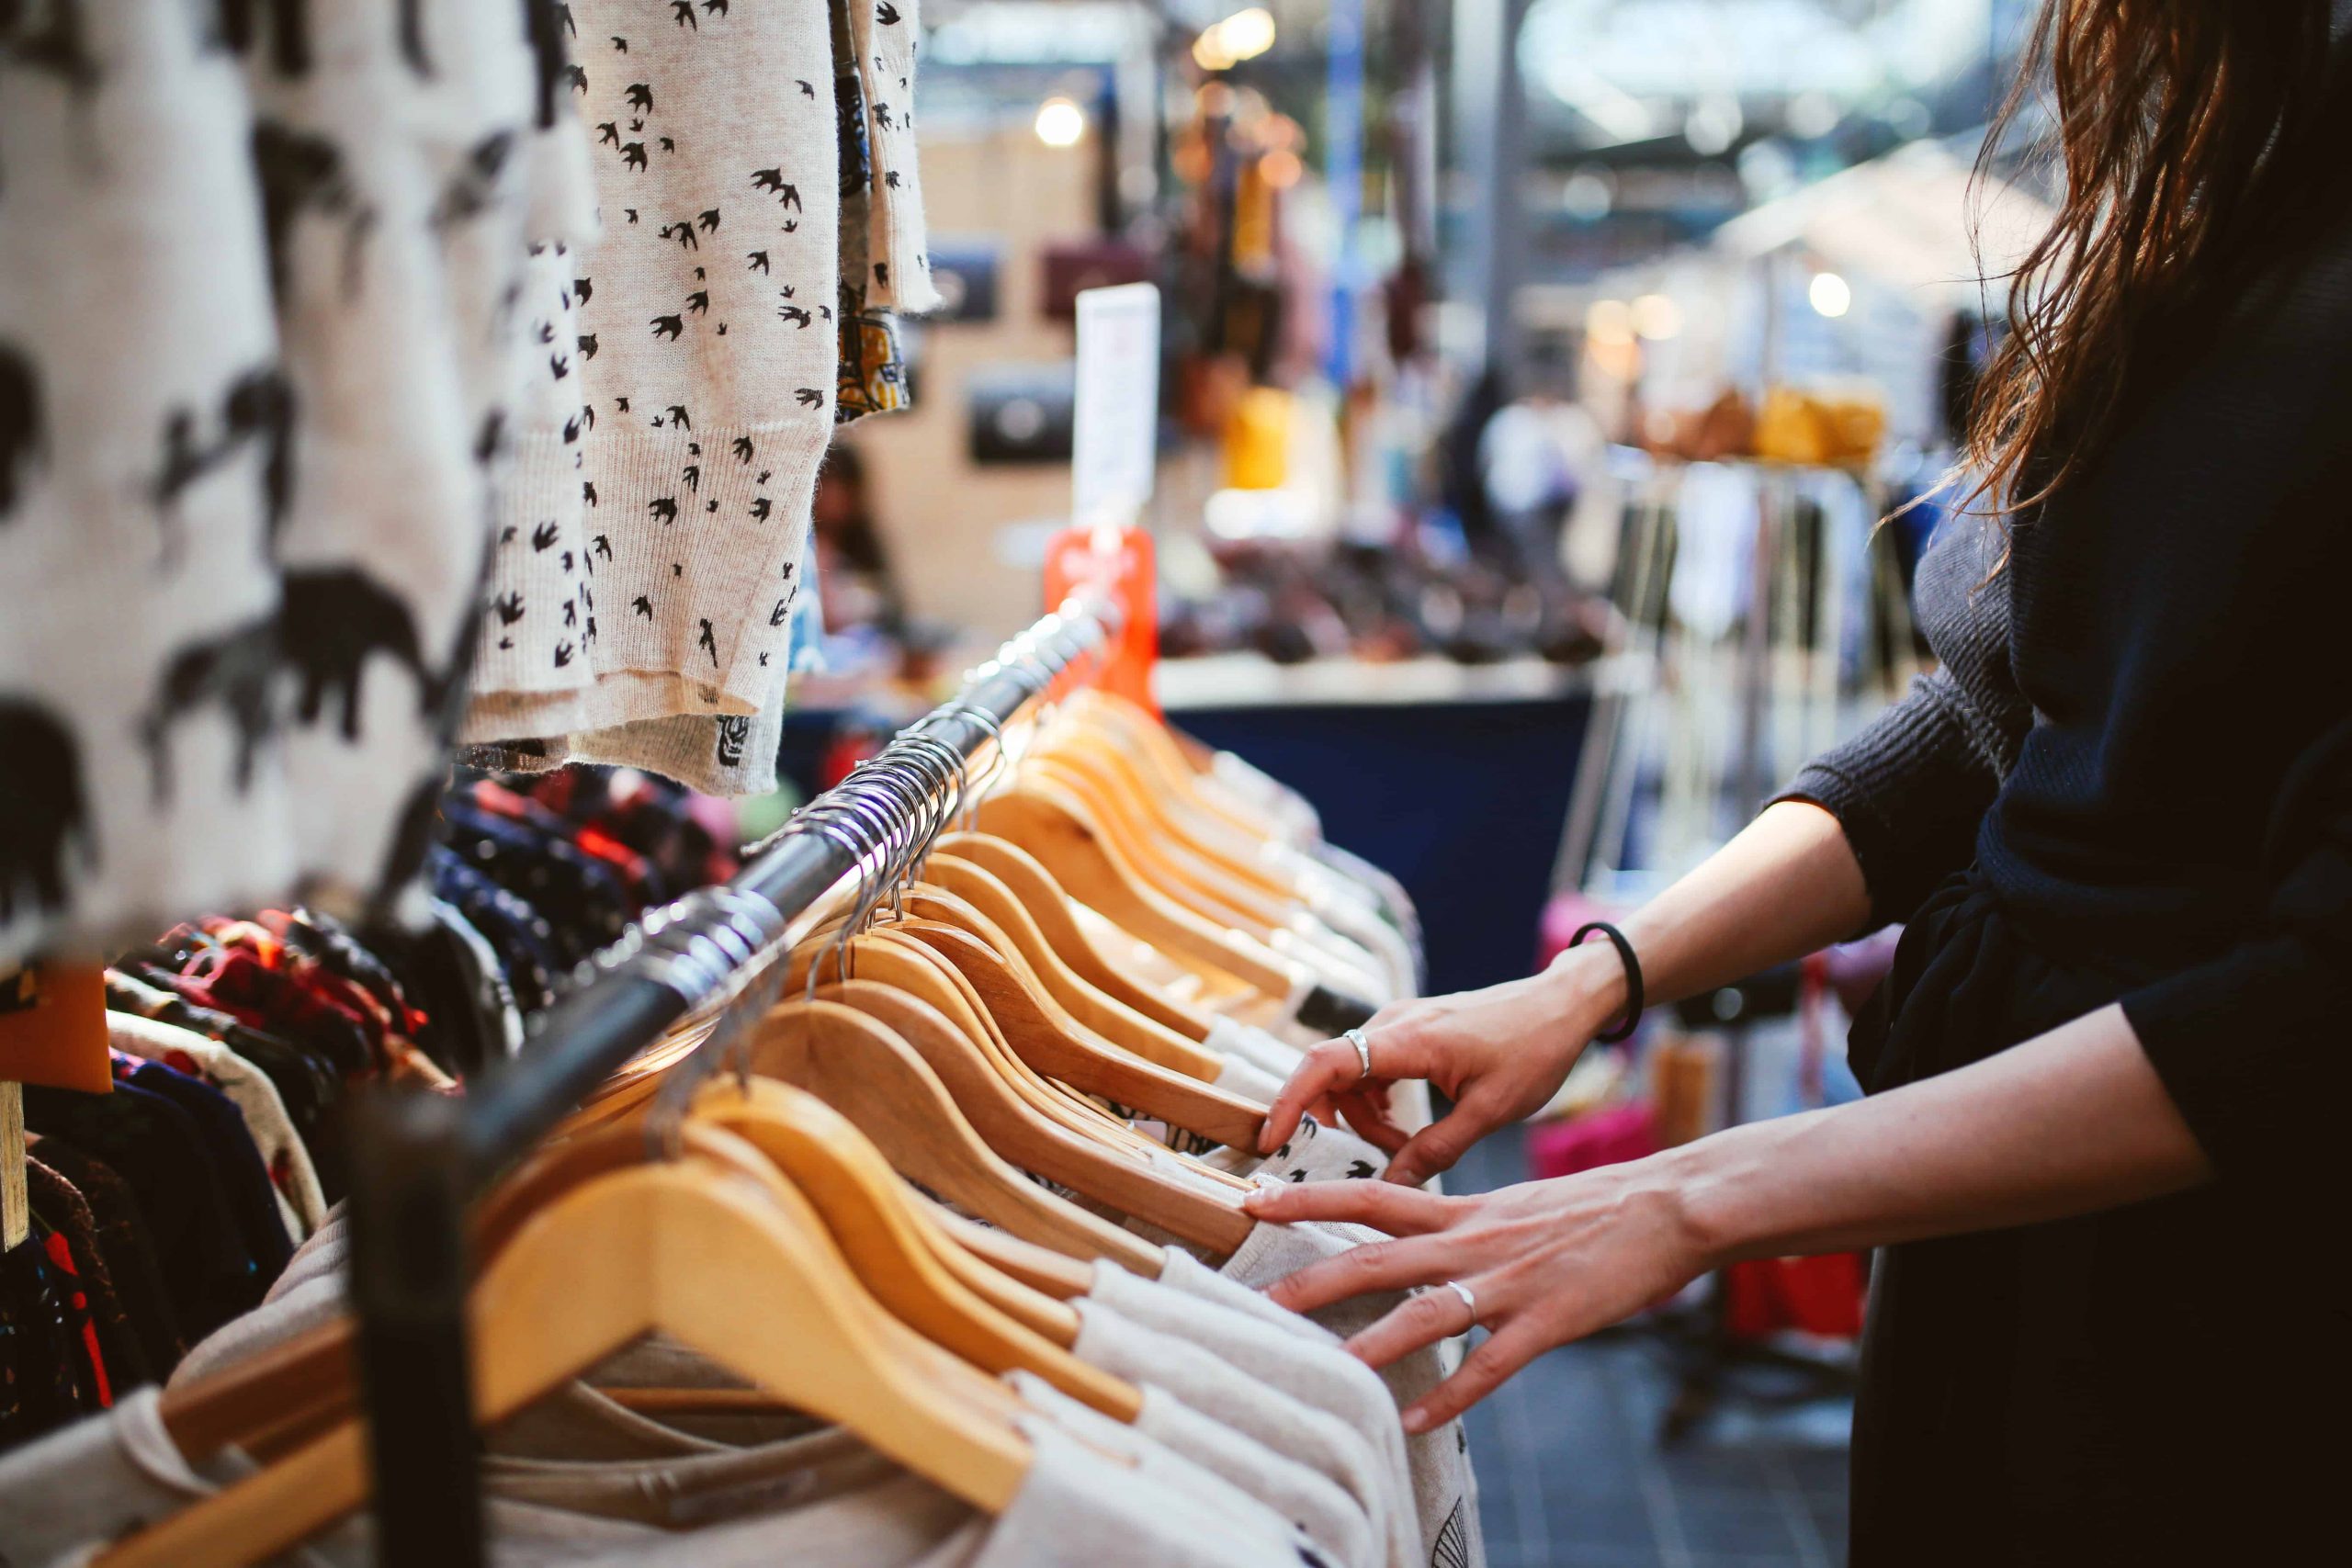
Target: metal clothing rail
(416, 1160)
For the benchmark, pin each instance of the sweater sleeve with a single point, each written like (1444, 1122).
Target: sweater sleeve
(2251, 1044)
(1908, 792)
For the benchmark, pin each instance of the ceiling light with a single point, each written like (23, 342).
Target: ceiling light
(1829, 294)
(1061, 123)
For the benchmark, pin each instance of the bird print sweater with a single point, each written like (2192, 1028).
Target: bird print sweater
(646, 558)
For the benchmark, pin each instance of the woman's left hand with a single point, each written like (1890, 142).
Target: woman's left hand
(1546, 1261)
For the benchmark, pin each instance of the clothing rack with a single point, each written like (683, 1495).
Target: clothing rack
(417, 1160)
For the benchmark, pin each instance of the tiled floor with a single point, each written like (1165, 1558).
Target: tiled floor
(1572, 1474)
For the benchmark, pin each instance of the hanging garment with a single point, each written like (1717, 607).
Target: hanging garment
(1339, 1525)
(871, 373)
(1441, 1483)
(159, 1149)
(257, 525)
(129, 1252)
(108, 1343)
(1197, 1372)
(704, 379)
(294, 1180)
(46, 1376)
(886, 34)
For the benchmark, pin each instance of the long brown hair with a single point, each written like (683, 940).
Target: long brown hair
(2176, 125)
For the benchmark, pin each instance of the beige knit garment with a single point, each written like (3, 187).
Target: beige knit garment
(673, 463)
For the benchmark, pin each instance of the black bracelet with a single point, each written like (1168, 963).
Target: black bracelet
(1632, 978)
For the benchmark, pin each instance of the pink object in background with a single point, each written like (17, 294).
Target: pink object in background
(1562, 915)
(1612, 1136)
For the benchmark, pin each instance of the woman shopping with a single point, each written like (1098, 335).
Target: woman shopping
(2108, 1067)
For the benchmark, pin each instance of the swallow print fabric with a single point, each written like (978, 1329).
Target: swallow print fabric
(257, 358)
(646, 559)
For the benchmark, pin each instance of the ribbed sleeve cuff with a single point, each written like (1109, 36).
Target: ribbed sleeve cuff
(2251, 1048)
(1908, 793)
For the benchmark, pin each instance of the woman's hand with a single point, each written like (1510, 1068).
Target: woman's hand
(1498, 1054)
(1548, 1262)
(2067, 1122)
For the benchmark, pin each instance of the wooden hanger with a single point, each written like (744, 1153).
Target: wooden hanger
(1053, 1045)
(1179, 762)
(1059, 832)
(1115, 1020)
(742, 1271)
(1281, 917)
(293, 1383)
(933, 899)
(907, 966)
(1164, 811)
(889, 1089)
(1049, 908)
(1164, 863)
(1122, 1178)
(888, 1243)
(1169, 811)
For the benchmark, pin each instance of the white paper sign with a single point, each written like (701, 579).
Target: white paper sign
(1116, 415)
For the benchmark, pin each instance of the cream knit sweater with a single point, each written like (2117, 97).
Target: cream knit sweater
(647, 551)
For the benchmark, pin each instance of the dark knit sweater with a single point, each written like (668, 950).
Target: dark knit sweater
(2141, 734)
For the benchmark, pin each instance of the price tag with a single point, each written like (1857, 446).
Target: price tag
(1117, 433)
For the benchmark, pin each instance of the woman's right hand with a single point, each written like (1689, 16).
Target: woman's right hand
(1498, 1053)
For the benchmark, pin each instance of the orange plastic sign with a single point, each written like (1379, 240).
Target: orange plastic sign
(53, 1028)
(1118, 565)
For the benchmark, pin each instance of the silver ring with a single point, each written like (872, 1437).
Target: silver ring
(1364, 1051)
(1459, 1289)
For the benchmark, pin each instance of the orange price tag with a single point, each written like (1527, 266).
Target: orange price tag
(53, 1028)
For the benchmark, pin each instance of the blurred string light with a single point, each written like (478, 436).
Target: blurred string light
(1829, 294)
(1656, 317)
(1245, 35)
(1060, 122)
(1587, 197)
(1610, 341)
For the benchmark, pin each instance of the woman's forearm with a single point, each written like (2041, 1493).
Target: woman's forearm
(2066, 1123)
(1788, 884)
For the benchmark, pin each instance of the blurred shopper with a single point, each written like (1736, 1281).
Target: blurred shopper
(2108, 1325)
(860, 588)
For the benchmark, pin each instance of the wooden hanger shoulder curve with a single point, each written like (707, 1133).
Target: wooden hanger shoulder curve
(706, 1256)
(1088, 1064)
(946, 1120)
(1107, 1015)
(888, 1242)
(1059, 834)
(1049, 906)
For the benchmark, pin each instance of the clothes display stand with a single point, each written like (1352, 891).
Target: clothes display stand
(417, 1159)
(1761, 606)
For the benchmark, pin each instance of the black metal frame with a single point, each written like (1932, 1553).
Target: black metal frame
(417, 1160)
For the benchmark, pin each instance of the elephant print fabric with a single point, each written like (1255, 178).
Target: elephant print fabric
(257, 356)
(668, 455)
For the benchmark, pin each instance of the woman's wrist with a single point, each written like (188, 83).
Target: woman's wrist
(1590, 984)
(1725, 1188)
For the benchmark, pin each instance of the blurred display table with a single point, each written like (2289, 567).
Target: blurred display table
(1453, 777)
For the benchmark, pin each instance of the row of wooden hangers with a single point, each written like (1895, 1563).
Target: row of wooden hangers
(785, 1219)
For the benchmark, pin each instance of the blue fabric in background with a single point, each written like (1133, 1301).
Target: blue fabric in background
(1463, 803)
